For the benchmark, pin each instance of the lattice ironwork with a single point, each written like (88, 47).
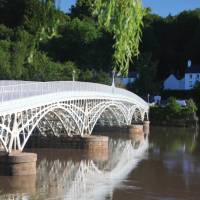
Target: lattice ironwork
(71, 108)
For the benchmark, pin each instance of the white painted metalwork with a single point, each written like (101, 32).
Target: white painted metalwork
(67, 107)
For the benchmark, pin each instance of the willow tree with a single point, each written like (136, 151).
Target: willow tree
(123, 18)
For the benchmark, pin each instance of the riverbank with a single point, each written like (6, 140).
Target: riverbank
(172, 114)
(176, 122)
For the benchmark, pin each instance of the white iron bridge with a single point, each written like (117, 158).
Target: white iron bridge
(63, 107)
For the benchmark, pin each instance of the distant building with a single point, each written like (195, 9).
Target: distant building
(191, 77)
(157, 99)
(172, 83)
(124, 81)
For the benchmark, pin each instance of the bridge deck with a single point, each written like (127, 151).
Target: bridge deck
(15, 94)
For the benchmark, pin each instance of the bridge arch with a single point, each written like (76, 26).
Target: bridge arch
(106, 105)
(41, 115)
(108, 118)
(24, 130)
(4, 144)
(136, 115)
(79, 103)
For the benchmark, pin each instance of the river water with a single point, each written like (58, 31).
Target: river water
(162, 166)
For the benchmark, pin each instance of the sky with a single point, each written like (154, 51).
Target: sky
(161, 7)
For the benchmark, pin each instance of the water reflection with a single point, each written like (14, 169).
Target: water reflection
(172, 170)
(19, 184)
(174, 140)
(65, 174)
(176, 149)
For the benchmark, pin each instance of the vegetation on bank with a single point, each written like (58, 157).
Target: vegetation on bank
(124, 19)
(172, 111)
(186, 94)
(166, 46)
(39, 42)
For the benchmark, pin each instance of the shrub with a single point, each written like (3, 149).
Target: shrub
(172, 105)
(173, 111)
(191, 106)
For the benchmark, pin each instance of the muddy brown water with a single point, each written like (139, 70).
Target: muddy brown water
(163, 166)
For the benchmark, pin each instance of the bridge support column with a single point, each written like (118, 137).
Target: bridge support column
(146, 127)
(137, 136)
(135, 128)
(18, 164)
(96, 147)
(95, 143)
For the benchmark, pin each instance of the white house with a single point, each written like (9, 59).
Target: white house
(191, 77)
(172, 83)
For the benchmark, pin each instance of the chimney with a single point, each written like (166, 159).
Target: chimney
(189, 64)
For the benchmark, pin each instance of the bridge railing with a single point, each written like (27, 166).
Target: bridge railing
(23, 89)
(14, 82)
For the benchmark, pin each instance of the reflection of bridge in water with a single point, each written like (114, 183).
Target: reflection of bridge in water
(70, 108)
(88, 179)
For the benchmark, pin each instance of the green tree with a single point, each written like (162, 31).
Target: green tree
(172, 105)
(5, 68)
(67, 71)
(102, 77)
(172, 41)
(82, 9)
(147, 82)
(44, 69)
(42, 19)
(5, 32)
(82, 42)
(11, 12)
(191, 106)
(86, 75)
(123, 18)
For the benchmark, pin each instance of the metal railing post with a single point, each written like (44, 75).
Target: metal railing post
(2, 94)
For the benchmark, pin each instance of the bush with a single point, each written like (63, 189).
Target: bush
(173, 111)
(191, 106)
(44, 69)
(5, 32)
(172, 105)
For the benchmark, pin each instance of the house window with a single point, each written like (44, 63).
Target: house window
(190, 84)
(190, 76)
(198, 76)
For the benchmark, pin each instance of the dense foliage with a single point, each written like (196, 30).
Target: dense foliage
(147, 82)
(123, 18)
(173, 111)
(172, 41)
(188, 94)
(39, 42)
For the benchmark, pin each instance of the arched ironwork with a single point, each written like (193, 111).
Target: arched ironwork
(72, 108)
